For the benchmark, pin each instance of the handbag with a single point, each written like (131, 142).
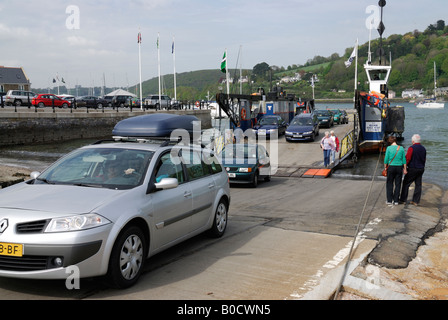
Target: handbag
(384, 172)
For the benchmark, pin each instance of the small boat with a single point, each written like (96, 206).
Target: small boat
(432, 103)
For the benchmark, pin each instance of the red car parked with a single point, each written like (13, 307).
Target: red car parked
(48, 100)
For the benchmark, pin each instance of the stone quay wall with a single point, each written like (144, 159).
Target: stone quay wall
(18, 128)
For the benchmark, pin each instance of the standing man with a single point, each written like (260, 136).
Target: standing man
(416, 160)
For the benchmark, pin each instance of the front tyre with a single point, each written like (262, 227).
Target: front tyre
(127, 258)
(220, 220)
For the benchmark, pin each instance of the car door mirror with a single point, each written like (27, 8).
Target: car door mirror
(34, 175)
(264, 161)
(164, 184)
(167, 183)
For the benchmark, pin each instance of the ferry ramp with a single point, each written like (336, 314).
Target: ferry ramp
(299, 159)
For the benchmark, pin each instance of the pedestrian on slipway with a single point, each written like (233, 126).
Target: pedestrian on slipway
(416, 160)
(336, 144)
(327, 145)
(395, 163)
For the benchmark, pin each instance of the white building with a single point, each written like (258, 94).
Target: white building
(412, 93)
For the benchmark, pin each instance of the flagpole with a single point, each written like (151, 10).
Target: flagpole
(227, 76)
(312, 84)
(158, 58)
(140, 67)
(174, 61)
(356, 67)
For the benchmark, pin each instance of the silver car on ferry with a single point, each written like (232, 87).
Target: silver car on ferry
(107, 207)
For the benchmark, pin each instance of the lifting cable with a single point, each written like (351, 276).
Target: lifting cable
(349, 257)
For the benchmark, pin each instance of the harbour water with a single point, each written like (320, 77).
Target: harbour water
(430, 124)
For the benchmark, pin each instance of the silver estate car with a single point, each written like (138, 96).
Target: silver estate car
(107, 207)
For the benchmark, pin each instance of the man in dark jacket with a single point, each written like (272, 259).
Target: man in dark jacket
(416, 160)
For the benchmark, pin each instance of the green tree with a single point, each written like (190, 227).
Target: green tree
(395, 78)
(261, 70)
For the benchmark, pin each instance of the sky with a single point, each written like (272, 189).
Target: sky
(85, 42)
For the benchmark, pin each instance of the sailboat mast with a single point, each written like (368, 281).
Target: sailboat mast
(158, 59)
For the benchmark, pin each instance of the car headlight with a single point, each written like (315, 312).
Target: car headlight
(247, 170)
(76, 223)
(288, 132)
(308, 132)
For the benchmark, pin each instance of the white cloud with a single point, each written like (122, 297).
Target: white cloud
(77, 41)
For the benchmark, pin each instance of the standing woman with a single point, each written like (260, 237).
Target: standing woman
(395, 163)
(327, 145)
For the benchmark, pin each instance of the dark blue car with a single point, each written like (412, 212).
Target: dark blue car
(303, 127)
(268, 124)
(246, 163)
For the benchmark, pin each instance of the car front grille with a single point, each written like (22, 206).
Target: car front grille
(32, 227)
(25, 263)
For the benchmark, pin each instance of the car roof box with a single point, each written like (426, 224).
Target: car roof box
(158, 125)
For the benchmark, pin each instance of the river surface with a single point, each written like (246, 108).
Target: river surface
(432, 125)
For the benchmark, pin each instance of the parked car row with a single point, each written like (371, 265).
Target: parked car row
(303, 127)
(339, 116)
(250, 163)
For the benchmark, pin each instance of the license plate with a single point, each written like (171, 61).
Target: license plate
(232, 175)
(11, 249)
(297, 136)
(262, 132)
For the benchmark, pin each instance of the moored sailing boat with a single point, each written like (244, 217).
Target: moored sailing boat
(432, 103)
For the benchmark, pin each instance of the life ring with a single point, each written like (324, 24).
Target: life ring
(243, 114)
(198, 104)
(375, 97)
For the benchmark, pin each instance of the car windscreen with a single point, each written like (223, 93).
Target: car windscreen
(268, 121)
(99, 167)
(302, 121)
(232, 151)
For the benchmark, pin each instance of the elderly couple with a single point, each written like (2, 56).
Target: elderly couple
(330, 145)
(411, 164)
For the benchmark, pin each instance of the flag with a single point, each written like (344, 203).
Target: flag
(348, 63)
(224, 63)
(139, 39)
(172, 48)
(63, 81)
(54, 80)
(157, 42)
